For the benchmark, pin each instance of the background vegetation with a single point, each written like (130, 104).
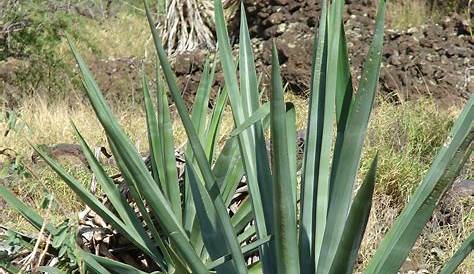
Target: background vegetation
(33, 51)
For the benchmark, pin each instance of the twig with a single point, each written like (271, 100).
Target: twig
(43, 254)
(30, 261)
(93, 188)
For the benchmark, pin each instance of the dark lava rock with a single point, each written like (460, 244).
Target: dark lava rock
(431, 59)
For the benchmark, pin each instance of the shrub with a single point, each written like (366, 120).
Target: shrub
(188, 228)
(31, 33)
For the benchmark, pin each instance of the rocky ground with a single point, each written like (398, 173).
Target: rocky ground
(433, 59)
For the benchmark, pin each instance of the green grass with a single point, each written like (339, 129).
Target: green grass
(407, 136)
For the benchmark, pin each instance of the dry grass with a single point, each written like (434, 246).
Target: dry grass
(117, 37)
(406, 136)
(404, 14)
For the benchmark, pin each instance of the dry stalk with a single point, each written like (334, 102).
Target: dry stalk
(29, 263)
(45, 250)
(188, 24)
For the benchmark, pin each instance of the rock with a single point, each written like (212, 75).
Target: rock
(276, 18)
(464, 188)
(281, 2)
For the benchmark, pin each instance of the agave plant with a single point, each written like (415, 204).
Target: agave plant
(189, 227)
